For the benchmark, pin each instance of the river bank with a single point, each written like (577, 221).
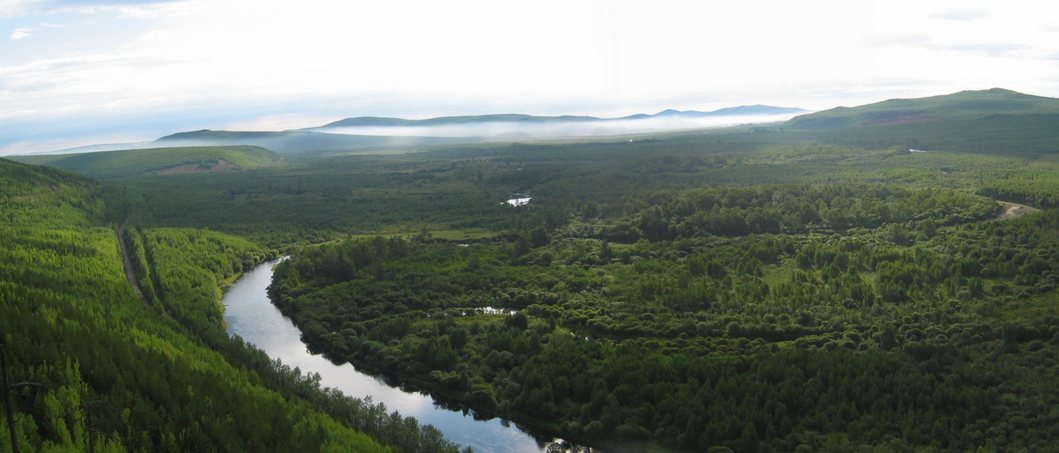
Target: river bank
(249, 314)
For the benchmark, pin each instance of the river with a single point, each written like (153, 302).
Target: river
(250, 314)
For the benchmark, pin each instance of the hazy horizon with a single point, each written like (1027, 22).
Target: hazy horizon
(80, 72)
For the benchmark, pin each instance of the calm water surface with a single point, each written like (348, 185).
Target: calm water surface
(251, 315)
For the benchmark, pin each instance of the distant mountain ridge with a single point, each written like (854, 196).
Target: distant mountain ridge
(964, 105)
(454, 120)
(381, 121)
(996, 120)
(327, 138)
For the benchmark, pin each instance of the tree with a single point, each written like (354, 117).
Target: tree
(605, 253)
(522, 246)
(518, 321)
(748, 440)
(888, 338)
(539, 237)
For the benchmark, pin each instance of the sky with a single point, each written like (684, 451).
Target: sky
(78, 72)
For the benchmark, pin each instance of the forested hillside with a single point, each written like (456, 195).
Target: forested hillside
(105, 371)
(963, 105)
(158, 161)
(994, 121)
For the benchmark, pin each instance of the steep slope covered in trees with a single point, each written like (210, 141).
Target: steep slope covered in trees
(109, 373)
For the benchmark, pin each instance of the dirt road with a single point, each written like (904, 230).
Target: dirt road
(129, 274)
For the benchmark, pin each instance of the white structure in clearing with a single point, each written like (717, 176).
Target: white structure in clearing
(518, 201)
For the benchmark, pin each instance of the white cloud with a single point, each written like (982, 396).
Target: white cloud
(156, 10)
(280, 122)
(125, 8)
(11, 8)
(960, 14)
(21, 33)
(593, 57)
(990, 48)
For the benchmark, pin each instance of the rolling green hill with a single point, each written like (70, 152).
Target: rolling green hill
(40, 196)
(992, 121)
(136, 162)
(958, 106)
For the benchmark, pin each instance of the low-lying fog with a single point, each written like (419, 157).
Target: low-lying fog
(555, 128)
(362, 138)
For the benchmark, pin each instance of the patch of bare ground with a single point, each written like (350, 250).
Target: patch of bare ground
(208, 166)
(1014, 210)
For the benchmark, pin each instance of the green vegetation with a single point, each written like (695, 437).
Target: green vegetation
(186, 268)
(120, 164)
(814, 286)
(459, 189)
(990, 121)
(686, 341)
(962, 105)
(1034, 183)
(182, 269)
(314, 200)
(110, 373)
(42, 197)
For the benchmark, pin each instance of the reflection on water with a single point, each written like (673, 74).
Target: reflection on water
(250, 315)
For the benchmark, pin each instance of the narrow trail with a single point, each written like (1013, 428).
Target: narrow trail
(129, 274)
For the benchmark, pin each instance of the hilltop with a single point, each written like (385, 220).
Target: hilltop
(958, 106)
(994, 120)
(117, 164)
